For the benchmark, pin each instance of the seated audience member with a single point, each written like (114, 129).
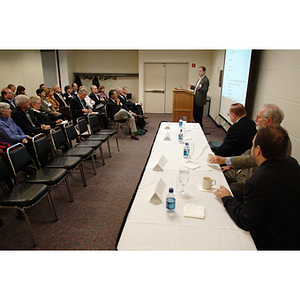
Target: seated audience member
(64, 105)
(12, 87)
(239, 169)
(134, 106)
(50, 98)
(23, 117)
(20, 90)
(270, 208)
(75, 89)
(39, 116)
(116, 111)
(240, 135)
(46, 106)
(42, 86)
(99, 102)
(103, 95)
(8, 97)
(68, 96)
(11, 133)
(78, 105)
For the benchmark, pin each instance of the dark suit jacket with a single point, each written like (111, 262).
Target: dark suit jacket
(76, 108)
(6, 101)
(61, 104)
(68, 97)
(97, 101)
(22, 121)
(112, 108)
(201, 94)
(43, 118)
(271, 206)
(238, 139)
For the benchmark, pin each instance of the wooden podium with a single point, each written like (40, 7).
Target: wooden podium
(183, 104)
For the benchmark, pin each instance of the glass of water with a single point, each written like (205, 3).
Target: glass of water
(184, 175)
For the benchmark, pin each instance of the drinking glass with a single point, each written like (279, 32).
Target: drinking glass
(192, 149)
(184, 175)
(184, 120)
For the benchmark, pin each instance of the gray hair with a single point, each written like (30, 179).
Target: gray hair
(93, 86)
(54, 86)
(82, 89)
(4, 106)
(33, 99)
(274, 112)
(20, 99)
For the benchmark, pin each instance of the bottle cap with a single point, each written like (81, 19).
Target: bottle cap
(171, 190)
(186, 144)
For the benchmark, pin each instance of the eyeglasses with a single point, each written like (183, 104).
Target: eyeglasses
(258, 117)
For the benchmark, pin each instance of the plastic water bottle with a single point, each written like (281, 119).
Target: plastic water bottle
(180, 137)
(186, 151)
(180, 123)
(170, 202)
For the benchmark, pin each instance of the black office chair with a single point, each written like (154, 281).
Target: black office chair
(60, 142)
(45, 158)
(23, 196)
(87, 136)
(20, 160)
(96, 129)
(72, 136)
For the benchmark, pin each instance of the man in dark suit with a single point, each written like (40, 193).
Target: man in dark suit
(99, 103)
(200, 94)
(8, 97)
(23, 117)
(240, 135)
(75, 89)
(270, 209)
(78, 105)
(64, 105)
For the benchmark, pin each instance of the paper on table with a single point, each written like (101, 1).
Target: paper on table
(193, 211)
(161, 164)
(191, 166)
(167, 137)
(158, 192)
(167, 126)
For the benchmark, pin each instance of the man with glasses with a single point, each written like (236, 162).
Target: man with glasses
(239, 169)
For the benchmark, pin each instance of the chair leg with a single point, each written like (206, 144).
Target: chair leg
(51, 203)
(82, 172)
(69, 188)
(117, 143)
(108, 146)
(93, 163)
(34, 242)
(101, 153)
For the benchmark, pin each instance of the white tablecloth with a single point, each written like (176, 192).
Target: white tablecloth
(151, 227)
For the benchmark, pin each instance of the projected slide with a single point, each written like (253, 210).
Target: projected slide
(235, 79)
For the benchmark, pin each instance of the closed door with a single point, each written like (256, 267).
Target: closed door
(160, 80)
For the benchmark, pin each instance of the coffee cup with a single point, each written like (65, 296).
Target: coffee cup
(208, 183)
(209, 156)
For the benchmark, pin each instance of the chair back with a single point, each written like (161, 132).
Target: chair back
(94, 123)
(70, 133)
(59, 139)
(5, 175)
(82, 126)
(19, 157)
(42, 148)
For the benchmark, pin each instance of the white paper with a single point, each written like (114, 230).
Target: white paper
(161, 164)
(191, 166)
(158, 192)
(193, 211)
(167, 126)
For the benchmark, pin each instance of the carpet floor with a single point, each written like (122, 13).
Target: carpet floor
(94, 219)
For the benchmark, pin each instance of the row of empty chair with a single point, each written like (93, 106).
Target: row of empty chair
(55, 159)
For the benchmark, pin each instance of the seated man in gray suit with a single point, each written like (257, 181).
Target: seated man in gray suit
(240, 168)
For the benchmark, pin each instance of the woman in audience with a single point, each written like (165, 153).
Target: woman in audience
(46, 105)
(20, 90)
(102, 94)
(67, 94)
(51, 99)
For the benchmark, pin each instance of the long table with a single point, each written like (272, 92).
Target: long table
(149, 226)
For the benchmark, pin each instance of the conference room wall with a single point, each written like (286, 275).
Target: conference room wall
(108, 61)
(199, 57)
(21, 67)
(278, 83)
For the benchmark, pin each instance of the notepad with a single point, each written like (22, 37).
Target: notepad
(193, 211)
